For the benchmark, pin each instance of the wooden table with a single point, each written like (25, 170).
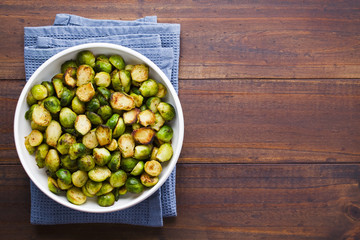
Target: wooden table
(271, 98)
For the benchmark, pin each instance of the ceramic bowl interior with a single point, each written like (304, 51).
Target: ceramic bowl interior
(50, 68)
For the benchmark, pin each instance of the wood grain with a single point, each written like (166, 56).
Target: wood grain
(214, 201)
(220, 40)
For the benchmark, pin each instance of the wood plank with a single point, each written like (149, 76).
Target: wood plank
(259, 40)
(271, 120)
(267, 121)
(235, 201)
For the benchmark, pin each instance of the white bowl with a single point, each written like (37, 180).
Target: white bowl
(50, 68)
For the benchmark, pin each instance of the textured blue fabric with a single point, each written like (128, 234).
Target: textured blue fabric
(130, 40)
(161, 44)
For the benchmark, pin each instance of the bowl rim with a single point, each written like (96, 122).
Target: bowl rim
(176, 154)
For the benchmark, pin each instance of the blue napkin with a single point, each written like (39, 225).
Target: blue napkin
(161, 44)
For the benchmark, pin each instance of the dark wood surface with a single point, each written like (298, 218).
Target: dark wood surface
(271, 98)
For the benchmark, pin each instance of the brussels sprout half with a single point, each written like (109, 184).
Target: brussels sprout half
(86, 57)
(39, 92)
(76, 196)
(134, 185)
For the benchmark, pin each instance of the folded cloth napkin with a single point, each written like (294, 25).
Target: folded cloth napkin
(161, 44)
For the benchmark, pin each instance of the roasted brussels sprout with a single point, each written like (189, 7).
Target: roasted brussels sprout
(125, 78)
(53, 133)
(52, 160)
(114, 163)
(58, 85)
(82, 124)
(35, 126)
(39, 92)
(146, 118)
(68, 64)
(102, 64)
(113, 120)
(165, 133)
(102, 156)
(159, 122)
(143, 135)
(153, 153)
(35, 138)
(140, 73)
(79, 178)
(66, 97)
(121, 101)
(28, 113)
(166, 110)
(40, 155)
(103, 135)
(70, 76)
(78, 106)
(138, 169)
(52, 104)
(164, 153)
(62, 185)
(142, 152)
(162, 91)
(115, 80)
(153, 168)
(129, 67)
(67, 117)
(102, 79)
(64, 175)
(68, 163)
(119, 128)
(64, 143)
(75, 196)
(85, 191)
(77, 150)
(94, 118)
(134, 185)
(30, 100)
(149, 88)
(92, 187)
(131, 116)
(93, 105)
(117, 61)
(138, 99)
(86, 163)
(106, 200)
(105, 92)
(148, 181)
(28, 147)
(112, 146)
(50, 88)
(128, 164)
(53, 186)
(105, 112)
(41, 116)
(105, 188)
(90, 140)
(86, 57)
(99, 173)
(85, 92)
(126, 144)
(152, 104)
(118, 178)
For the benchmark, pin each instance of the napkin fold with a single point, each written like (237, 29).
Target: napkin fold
(160, 42)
